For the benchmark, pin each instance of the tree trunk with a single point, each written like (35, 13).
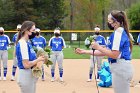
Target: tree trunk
(71, 19)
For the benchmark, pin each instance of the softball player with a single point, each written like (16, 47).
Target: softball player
(119, 52)
(101, 41)
(57, 43)
(14, 55)
(4, 42)
(39, 41)
(26, 58)
(138, 40)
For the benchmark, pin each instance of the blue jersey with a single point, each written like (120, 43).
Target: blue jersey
(24, 50)
(4, 42)
(56, 44)
(39, 42)
(101, 40)
(138, 40)
(14, 39)
(120, 41)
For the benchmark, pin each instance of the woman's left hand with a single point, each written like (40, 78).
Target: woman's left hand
(95, 45)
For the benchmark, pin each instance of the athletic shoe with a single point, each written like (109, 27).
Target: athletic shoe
(4, 78)
(98, 80)
(89, 80)
(52, 80)
(13, 78)
(61, 79)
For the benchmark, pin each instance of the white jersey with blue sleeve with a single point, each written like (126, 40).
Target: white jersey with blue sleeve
(120, 41)
(57, 44)
(100, 40)
(24, 50)
(39, 42)
(15, 38)
(4, 42)
(138, 40)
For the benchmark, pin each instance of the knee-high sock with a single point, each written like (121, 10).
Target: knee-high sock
(5, 72)
(0, 72)
(61, 72)
(42, 73)
(52, 72)
(14, 71)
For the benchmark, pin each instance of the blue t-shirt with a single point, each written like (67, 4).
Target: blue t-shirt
(39, 42)
(4, 42)
(56, 44)
(100, 40)
(15, 38)
(24, 50)
(120, 41)
(138, 40)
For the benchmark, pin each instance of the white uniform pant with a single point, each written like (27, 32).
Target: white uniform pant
(26, 81)
(97, 59)
(57, 56)
(4, 58)
(122, 73)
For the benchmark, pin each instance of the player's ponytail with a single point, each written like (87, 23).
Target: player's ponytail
(121, 17)
(125, 24)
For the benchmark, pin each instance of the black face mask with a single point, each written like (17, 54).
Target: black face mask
(97, 33)
(37, 33)
(32, 35)
(57, 35)
(110, 27)
(1, 33)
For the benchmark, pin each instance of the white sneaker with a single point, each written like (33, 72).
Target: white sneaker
(0, 78)
(61, 79)
(98, 80)
(52, 80)
(89, 80)
(4, 78)
(13, 78)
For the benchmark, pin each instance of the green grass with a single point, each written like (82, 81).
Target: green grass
(69, 52)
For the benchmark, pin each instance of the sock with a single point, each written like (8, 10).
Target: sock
(0, 72)
(90, 76)
(42, 73)
(5, 72)
(98, 75)
(52, 72)
(14, 71)
(61, 72)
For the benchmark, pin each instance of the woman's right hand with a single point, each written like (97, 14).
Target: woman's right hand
(41, 58)
(79, 51)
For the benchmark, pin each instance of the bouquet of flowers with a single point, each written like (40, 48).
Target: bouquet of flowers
(37, 70)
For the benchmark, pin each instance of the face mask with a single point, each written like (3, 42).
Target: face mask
(57, 35)
(97, 33)
(32, 35)
(37, 33)
(1, 33)
(110, 26)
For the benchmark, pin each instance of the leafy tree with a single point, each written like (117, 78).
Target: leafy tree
(134, 16)
(6, 13)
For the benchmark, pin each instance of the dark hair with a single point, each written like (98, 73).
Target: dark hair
(97, 26)
(121, 17)
(26, 26)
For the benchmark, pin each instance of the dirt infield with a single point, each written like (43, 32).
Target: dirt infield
(75, 76)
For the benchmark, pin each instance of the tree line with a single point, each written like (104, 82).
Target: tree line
(66, 14)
